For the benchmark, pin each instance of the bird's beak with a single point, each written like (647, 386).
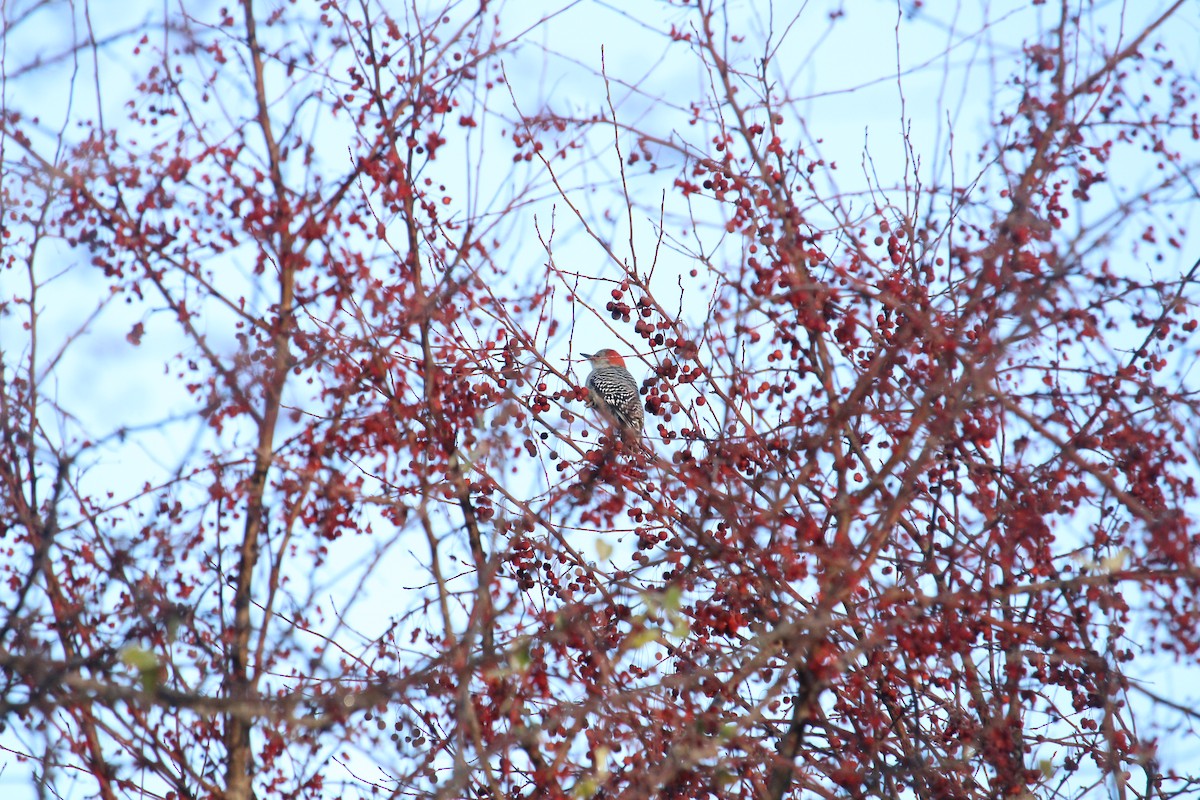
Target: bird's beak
(587, 355)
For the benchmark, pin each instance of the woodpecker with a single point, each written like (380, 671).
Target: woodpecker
(612, 390)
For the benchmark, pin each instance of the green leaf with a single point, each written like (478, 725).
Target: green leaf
(600, 759)
(1115, 562)
(138, 657)
(643, 637)
(519, 658)
(145, 662)
(604, 549)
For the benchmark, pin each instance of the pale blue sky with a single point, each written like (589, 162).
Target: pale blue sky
(858, 85)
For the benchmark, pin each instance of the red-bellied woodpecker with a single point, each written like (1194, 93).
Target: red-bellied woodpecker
(612, 390)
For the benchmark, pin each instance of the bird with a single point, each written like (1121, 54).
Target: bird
(614, 393)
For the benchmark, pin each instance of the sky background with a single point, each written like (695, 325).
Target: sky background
(878, 73)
